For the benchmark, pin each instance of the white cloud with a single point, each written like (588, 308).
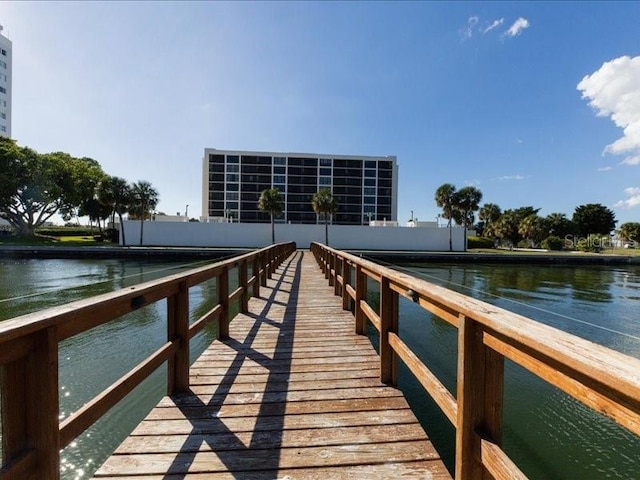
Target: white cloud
(634, 198)
(631, 160)
(495, 24)
(472, 183)
(605, 169)
(512, 177)
(467, 31)
(614, 91)
(518, 26)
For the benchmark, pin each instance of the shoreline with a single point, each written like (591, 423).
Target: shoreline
(391, 256)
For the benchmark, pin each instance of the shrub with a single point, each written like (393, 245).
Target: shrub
(112, 235)
(479, 242)
(553, 243)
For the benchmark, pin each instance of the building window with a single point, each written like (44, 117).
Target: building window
(325, 180)
(280, 170)
(370, 182)
(233, 168)
(325, 171)
(279, 179)
(370, 164)
(325, 162)
(233, 177)
(233, 196)
(369, 190)
(369, 209)
(369, 173)
(281, 188)
(279, 161)
(4, 52)
(233, 159)
(370, 200)
(3, 90)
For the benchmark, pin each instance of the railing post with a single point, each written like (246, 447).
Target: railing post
(242, 280)
(222, 287)
(388, 323)
(361, 294)
(178, 331)
(263, 269)
(346, 280)
(30, 406)
(479, 398)
(270, 260)
(327, 265)
(331, 269)
(336, 283)
(256, 275)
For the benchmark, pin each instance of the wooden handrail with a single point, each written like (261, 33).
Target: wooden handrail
(601, 378)
(32, 434)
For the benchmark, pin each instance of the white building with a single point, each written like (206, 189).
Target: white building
(6, 56)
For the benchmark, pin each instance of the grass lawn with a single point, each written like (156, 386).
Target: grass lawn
(37, 241)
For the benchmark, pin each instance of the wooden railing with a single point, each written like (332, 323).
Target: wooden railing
(32, 435)
(604, 380)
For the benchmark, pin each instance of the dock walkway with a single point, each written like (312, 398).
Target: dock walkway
(292, 393)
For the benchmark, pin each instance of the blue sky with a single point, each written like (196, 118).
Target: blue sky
(469, 93)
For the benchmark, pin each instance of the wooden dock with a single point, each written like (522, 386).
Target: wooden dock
(292, 393)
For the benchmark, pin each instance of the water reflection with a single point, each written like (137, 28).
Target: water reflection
(91, 361)
(547, 433)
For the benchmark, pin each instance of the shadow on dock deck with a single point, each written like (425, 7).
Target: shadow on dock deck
(292, 393)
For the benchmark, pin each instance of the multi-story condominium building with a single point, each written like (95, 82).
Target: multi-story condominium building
(366, 188)
(5, 85)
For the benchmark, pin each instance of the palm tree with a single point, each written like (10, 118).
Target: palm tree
(144, 199)
(466, 201)
(324, 204)
(533, 228)
(489, 214)
(116, 193)
(270, 202)
(445, 200)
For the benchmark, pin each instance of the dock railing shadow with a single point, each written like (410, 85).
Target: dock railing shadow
(267, 433)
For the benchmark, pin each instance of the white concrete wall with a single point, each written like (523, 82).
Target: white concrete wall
(254, 235)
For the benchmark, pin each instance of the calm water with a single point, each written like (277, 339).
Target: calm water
(546, 433)
(91, 361)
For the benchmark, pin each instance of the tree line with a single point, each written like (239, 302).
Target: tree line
(524, 226)
(36, 186)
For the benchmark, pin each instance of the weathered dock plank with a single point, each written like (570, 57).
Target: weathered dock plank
(292, 393)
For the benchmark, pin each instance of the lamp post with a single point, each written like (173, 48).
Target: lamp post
(226, 215)
(369, 215)
(186, 211)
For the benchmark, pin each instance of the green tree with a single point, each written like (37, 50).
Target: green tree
(116, 193)
(559, 225)
(324, 204)
(593, 218)
(96, 211)
(82, 178)
(144, 199)
(466, 203)
(489, 215)
(445, 199)
(534, 229)
(270, 202)
(630, 232)
(506, 227)
(35, 186)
